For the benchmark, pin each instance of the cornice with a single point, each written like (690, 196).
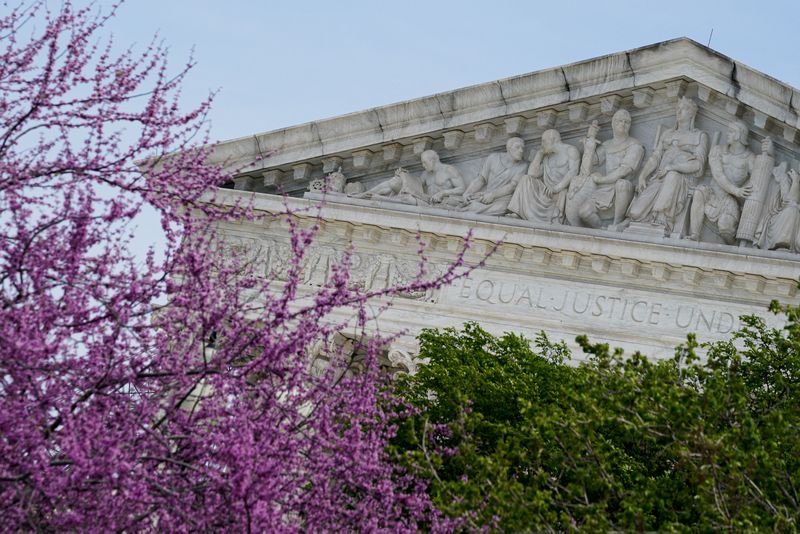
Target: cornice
(528, 96)
(598, 257)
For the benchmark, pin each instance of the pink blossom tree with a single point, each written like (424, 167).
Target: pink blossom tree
(171, 392)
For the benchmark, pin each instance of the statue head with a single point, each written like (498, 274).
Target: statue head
(737, 132)
(621, 122)
(687, 111)
(430, 159)
(550, 138)
(515, 147)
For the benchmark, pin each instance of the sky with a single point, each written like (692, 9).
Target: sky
(277, 64)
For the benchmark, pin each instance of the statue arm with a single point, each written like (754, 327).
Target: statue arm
(507, 189)
(535, 169)
(480, 182)
(630, 162)
(650, 165)
(573, 167)
(458, 186)
(387, 187)
(458, 183)
(718, 173)
(476, 185)
(697, 163)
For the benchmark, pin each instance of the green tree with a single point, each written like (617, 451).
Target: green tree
(512, 436)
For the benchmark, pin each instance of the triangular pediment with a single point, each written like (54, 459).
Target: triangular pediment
(713, 231)
(522, 104)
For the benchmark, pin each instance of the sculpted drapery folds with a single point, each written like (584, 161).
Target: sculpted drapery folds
(540, 195)
(731, 165)
(676, 193)
(663, 187)
(439, 183)
(491, 191)
(780, 228)
(593, 194)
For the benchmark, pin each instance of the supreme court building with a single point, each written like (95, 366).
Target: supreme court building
(638, 196)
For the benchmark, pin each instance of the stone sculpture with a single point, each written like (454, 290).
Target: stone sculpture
(491, 191)
(593, 195)
(353, 188)
(444, 182)
(403, 188)
(335, 183)
(731, 166)
(540, 194)
(754, 211)
(780, 229)
(680, 154)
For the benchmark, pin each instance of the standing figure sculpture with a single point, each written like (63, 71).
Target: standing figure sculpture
(444, 182)
(591, 194)
(540, 195)
(663, 186)
(731, 166)
(491, 191)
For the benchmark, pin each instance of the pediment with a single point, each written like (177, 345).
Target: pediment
(728, 268)
(465, 126)
(520, 104)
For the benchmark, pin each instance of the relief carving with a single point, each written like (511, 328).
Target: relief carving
(737, 201)
(491, 191)
(541, 194)
(445, 183)
(780, 228)
(719, 202)
(594, 196)
(680, 155)
(754, 212)
(403, 188)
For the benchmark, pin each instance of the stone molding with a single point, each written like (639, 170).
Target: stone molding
(668, 65)
(593, 256)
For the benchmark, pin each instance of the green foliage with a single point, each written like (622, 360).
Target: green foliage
(515, 438)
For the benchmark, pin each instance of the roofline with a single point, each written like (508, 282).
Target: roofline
(622, 71)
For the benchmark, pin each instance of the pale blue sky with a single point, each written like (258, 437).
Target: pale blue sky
(279, 64)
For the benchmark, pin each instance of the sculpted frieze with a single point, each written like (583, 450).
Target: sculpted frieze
(491, 191)
(681, 187)
(663, 187)
(541, 194)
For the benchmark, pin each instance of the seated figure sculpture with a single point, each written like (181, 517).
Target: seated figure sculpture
(780, 228)
(540, 195)
(444, 182)
(680, 154)
(731, 165)
(593, 194)
(491, 191)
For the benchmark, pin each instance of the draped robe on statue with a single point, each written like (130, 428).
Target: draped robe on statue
(530, 200)
(666, 194)
(498, 171)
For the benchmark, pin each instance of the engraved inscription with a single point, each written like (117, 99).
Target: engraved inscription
(594, 303)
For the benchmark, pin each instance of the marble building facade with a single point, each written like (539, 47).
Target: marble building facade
(636, 197)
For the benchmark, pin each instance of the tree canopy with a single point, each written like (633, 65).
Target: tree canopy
(514, 436)
(172, 391)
